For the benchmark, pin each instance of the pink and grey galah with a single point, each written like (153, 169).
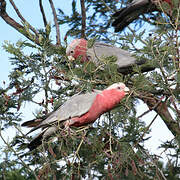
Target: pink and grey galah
(79, 110)
(78, 48)
(132, 11)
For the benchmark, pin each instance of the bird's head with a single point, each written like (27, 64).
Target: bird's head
(77, 48)
(120, 87)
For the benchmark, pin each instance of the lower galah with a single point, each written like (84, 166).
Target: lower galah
(79, 110)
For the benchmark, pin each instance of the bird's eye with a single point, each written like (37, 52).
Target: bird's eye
(119, 87)
(72, 52)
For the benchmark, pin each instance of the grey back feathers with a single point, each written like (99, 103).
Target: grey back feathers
(100, 50)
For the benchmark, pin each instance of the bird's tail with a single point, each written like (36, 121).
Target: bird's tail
(130, 13)
(37, 141)
(32, 123)
(43, 136)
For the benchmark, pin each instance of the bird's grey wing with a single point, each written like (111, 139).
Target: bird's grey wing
(124, 58)
(77, 105)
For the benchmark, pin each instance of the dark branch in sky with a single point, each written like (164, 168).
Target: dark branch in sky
(83, 13)
(22, 18)
(15, 24)
(58, 42)
(43, 13)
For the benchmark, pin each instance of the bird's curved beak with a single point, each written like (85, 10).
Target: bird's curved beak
(71, 58)
(126, 90)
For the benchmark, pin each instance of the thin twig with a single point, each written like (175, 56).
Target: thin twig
(58, 42)
(47, 80)
(79, 146)
(134, 34)
(83, 13)
(147, 128)
(43, 13)
(110, 134)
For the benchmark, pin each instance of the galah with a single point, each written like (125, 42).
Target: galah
(79, 110)
(128, 14)
(125, 60)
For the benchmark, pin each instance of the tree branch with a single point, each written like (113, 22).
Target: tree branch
(42, 12)
(58, 42)
(83, 13)
(7, 18)
(15, 24)
(161, 108)
(21, 17)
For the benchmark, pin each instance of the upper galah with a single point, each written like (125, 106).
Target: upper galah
(79, 110)
(125, 60)
(132, 12)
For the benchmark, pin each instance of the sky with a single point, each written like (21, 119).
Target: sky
(30, 10)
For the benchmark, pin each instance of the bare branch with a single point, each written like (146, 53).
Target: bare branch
(7, 18)
(42, 12)
(58, 42)
(15, 24)
(150, 109)
(83, 13)
(22, 18)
